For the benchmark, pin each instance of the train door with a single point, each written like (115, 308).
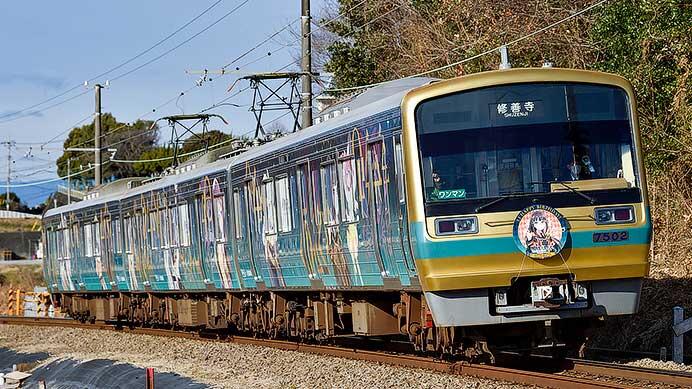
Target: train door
(107, 251)
(77, 255)
(242, 212)
(204, 223)
(120, 271)
(404, 242)
(305, 225)
(380, 213)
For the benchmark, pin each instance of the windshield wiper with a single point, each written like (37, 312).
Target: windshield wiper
(588, 198)
(572, 189)
(495, 201)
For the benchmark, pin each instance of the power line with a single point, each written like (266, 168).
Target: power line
(229, 13)
(118, 66)
(31, 113)
(67, 130)
(27, 184)
(141, 116)
(257, 46)
(322, 25)
(216, 145)
(471, 58)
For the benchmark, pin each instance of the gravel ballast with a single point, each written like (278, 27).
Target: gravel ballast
(228, 365)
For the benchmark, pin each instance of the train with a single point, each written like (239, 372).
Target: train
(502, 209)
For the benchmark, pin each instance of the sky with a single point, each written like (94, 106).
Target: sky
(51, 47)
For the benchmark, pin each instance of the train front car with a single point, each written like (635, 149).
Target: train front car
(527, 203)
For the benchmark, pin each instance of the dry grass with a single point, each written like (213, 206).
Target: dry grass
(17, 225)
(23, 277)
(670, 282)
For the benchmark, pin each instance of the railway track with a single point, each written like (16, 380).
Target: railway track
(541, 371)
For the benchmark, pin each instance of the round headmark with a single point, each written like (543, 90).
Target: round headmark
(540, 231)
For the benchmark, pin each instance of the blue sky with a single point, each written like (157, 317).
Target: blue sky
(50, 47)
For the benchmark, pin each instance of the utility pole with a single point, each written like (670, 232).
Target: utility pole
(9, 144)
(306, 65)
(97, 136)
(69, 182)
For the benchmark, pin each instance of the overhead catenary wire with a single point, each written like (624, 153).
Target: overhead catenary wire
(342, 38)
(51, 140)
(323, 25)
(471, 58)
(140, 117)
(229, 13)
(32, 113)
(27, 184)
(165, 53)
(257, 46)
(128, 61)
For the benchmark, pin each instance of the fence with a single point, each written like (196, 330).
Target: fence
(680, 327)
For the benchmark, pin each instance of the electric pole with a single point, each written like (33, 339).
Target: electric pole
(97, 136)
(9, 145)
(306, 65)
(69, 182)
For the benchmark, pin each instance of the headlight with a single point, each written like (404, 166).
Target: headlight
(457, 226)
(614, 215)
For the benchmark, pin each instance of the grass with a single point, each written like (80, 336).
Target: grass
(17, 225)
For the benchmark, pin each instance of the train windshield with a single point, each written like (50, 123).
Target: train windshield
(525, 138)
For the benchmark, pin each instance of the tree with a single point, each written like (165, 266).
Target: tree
(210, 138)
(130, 140)
(648, 42)
(385, 39)
(156, 160)
(15, 202)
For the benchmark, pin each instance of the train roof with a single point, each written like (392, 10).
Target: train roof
(372, 101)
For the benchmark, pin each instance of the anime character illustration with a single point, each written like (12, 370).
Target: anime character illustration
(98, 265)
(134, 284)
(271, 252)
(540, 238)
(223, 262)
(175, 269)
(335, 252)
(66, 274)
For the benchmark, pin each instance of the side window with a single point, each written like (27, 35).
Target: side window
(165, 228)
(283, 200)
(174, 225)
(269, 208)
(183, 212)
(97, 238)
(220, 210)
(129, 244)
(88, 240)
(154, 230)
(400, 175)
(330, 194)
(117, 245)
(61, 244)
(349, 190)
(66, 244)
(237, 216)
(316, 196)
(207, 216)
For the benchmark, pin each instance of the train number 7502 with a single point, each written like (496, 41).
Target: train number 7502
(615, 236)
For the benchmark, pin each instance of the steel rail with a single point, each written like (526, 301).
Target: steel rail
(519, 376)
(669, 377)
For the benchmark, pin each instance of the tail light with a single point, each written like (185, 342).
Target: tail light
(614, 215)
(428, 320)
